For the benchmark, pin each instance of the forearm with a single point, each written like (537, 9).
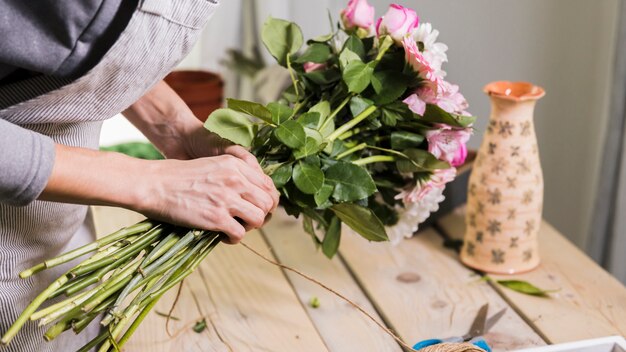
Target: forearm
(164, 118)
(84, 176)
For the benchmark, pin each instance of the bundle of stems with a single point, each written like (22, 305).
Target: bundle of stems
(127, 273)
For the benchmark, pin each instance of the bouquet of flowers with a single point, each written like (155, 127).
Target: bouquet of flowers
(368, 134)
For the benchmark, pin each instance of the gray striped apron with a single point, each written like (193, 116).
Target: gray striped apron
(159, 34)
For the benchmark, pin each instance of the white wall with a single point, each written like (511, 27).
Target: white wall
(566, 46)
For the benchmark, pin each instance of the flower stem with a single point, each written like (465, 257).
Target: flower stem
(374, 159)
(293, 77)
(334, 113)
(352, 150)
(348, 125)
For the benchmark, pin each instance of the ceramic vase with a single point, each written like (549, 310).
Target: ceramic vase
(505, 191)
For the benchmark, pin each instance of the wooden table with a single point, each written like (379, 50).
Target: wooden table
(418, 288)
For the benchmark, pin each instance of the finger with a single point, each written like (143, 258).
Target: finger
(257, 177)
(241, 153)
(252, 216)
(258, 197)
(232, 228)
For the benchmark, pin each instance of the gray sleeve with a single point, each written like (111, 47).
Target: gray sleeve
(26, 160)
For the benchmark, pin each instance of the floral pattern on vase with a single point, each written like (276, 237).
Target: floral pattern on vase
(505, 192)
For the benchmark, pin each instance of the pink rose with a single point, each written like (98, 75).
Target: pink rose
(420, 65)
(312, 66)
(398, 22)
(448, 144)
(358, 14)
(422, 188)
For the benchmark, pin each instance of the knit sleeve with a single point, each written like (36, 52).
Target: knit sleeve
(26, 161)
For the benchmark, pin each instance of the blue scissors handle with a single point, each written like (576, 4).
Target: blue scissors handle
(477, 341)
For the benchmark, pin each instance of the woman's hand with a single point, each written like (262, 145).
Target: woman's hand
(222, 193)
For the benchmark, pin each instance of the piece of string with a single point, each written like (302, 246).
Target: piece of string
(297, 272)
(169, 314)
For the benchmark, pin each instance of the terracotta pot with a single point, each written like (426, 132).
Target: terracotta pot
(202, 91)
(505, 193)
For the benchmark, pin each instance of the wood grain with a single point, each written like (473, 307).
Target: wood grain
(342, 327)
(590, 303)
(424, 292)
(248, 305)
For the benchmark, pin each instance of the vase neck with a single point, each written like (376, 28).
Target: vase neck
(514, 111)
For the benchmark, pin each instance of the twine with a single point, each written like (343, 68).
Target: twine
(452, 347)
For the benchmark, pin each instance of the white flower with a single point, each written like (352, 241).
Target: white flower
(412, 214)
(435, 53)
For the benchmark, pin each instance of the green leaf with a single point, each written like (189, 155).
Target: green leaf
(291, 134)
(358, 75)
(420, 160)
(403, 140)
(231, 125)
(308, 178)
(310, 120)
(362, 220)
(354, 44)
(323, 108)
(322, 196)
(323, 38)
(250, 108)
(389, 86)
(200, 326)
(316, 52)
(436, 114)
(330, 244)
(281, 38)
(282, 175)
(524, 287)
(346, 57)
(358, 104)
(311, 146)
(279, 112)
(351, 182)
(323, 77)
(307, 225)
(390, 117)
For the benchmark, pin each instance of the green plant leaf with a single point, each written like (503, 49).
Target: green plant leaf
(358, 104)
(323, 108)
(358, 75)
(389, 86)
(355, 44)
(281, 38)
(401, 140)
(323, 38)
(250, 108)
(231, 125)
(291, 134)
(308, 178)
(330, 244)
(279, 112)
(436, 114)
(362, 220)
(311, 146)
(310, 120)
(200, 326)
(420, 160)
(346, 57)
(324, 77)
(316, 52)
(282, 175)
(524, 287)
(322, 196)
(351, 182)
(307, 225)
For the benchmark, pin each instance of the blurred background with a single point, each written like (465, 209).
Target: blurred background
(575, 49)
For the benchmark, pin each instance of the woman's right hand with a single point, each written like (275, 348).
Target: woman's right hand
(213, 193)
(221, 193)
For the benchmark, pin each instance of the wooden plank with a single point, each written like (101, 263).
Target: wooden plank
(591, 303)
(248, 305)
(342, 327)
(424, 292)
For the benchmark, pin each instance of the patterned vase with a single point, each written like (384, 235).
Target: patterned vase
(505, 192)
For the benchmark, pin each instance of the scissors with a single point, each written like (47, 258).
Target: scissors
(479, 326)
